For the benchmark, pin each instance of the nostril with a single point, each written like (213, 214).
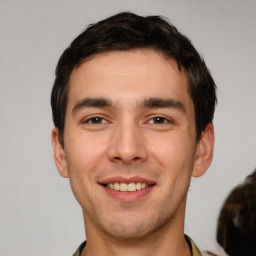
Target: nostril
(117, 158)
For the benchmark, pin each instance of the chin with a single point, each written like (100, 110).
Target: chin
(133, 229)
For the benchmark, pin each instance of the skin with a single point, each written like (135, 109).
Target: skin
(130, 138)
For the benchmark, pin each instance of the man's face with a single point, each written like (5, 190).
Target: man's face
(130, 146)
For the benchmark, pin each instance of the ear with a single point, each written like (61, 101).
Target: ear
(204, 152)
(59, 154)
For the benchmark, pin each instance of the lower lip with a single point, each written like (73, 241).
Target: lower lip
(128, 196)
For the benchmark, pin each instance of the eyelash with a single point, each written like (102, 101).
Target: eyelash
(163, 120)
(156, 120)
(91, 120)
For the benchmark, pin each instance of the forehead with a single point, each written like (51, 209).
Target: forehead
(128, 75)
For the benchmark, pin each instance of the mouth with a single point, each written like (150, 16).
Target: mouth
(127, 187)
(131, 184)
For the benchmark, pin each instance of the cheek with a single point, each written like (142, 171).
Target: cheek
(83, 154)
(175, 156)
(84, 151)
(173, 150)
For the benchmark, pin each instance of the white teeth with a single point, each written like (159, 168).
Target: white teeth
(131, 187)
(138, 186)
(116, 186)
(124, 187)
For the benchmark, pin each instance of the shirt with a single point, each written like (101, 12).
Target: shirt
(194, 250)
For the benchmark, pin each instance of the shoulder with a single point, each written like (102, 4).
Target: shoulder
(79, 249)
(194, 249)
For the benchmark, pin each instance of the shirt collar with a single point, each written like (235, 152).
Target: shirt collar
(194, 250)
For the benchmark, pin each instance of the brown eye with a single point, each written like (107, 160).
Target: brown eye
(95, 120)
(159, 120)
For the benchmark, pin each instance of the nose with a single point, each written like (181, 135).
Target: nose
(127, 145)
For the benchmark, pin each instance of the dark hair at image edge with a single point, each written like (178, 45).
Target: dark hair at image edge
(127, 31)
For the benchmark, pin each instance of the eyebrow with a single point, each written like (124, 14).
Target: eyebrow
(146, 103)
(163, 103)
(91, 102)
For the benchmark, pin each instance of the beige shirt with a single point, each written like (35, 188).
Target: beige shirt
(194, 250)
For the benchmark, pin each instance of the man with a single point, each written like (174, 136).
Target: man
(133, 104)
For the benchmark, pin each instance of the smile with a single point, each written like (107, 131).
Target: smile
(130, 187)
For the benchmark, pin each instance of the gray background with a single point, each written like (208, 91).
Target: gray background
(38, 214)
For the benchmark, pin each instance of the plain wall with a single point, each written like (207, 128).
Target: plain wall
(38, 214)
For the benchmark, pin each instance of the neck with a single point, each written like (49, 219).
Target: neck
(127, 249)
(168, 240)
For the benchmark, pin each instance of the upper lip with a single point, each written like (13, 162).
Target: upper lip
(127, 180)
